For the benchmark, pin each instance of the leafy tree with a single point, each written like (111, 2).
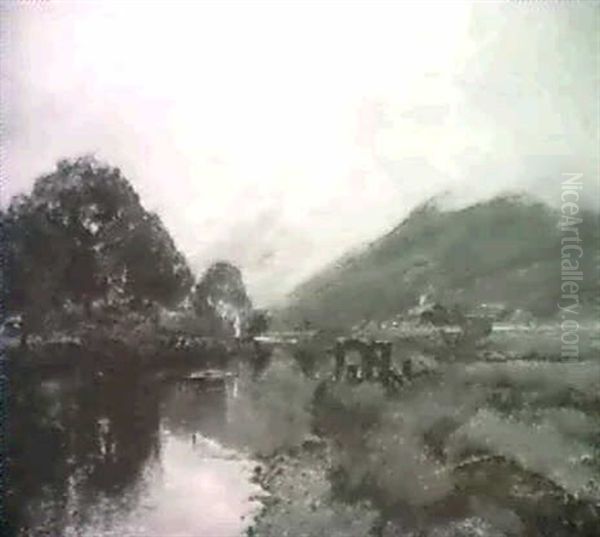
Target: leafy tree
(221, 299)
(35, 258)
(82, 235)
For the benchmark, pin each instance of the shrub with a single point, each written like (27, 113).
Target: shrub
(274, 412)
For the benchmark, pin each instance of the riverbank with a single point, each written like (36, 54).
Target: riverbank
(451, 455)
(299, 500)
(94, 350)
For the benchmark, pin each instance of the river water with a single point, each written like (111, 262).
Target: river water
(123, 457)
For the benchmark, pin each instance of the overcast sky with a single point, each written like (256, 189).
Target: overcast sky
(279, 135)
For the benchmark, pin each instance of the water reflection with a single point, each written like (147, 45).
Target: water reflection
(191, 407)
(124, 454)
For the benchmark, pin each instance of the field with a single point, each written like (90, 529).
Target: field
(506, 442)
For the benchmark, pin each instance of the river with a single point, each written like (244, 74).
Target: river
(124, 456)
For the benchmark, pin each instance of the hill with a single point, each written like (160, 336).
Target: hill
(505, 250)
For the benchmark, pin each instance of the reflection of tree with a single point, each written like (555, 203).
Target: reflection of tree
(35, 453)
(116, 430)
(190, 409)
(91, 441)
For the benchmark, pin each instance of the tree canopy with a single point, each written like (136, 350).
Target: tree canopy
(82, 235)
(220, 297)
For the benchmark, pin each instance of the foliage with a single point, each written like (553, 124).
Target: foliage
(538, 447)
(381, 450)
(82, 235)
(274, 412)
(453, 435)
(310, 511)
(544, 381)
(258, 323)
(220, 298)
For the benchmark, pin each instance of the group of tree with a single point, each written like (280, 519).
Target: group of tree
(82, 241)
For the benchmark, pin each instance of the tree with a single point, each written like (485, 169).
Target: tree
(82, 235)
(220, 299)
(35, 257)
(258, 323)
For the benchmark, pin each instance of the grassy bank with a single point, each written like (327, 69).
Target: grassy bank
(499, 449)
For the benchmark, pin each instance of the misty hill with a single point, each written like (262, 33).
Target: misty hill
(505, 250)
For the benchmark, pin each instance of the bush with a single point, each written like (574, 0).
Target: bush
(541, 449)
(274, 412)
(381, 445)
(306, 508)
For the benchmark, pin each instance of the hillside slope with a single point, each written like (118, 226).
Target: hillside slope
(503, 250)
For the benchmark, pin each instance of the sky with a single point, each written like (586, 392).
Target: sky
(279, 135)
